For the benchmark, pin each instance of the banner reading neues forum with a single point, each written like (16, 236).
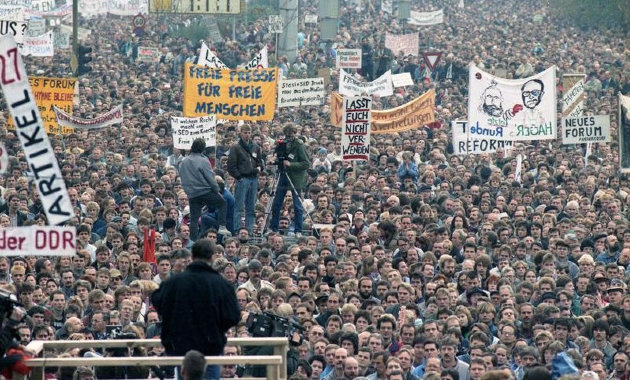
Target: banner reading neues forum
(230, 94)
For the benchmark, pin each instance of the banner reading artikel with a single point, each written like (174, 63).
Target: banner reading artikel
(30, 130)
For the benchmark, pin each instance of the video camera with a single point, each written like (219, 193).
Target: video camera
(8, 302)
(263, 325)
(281, 152)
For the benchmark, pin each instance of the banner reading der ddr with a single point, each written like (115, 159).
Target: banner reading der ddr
(230, 94)
(38, 241)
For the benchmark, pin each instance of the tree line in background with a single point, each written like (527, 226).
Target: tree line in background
(593, 13)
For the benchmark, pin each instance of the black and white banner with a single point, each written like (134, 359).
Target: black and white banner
(32, 134)
(513, 109)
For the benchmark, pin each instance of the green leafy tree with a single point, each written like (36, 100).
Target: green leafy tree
(593, 13)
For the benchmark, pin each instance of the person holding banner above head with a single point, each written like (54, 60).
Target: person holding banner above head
(202, 188)
(292, 162)
(244, 163)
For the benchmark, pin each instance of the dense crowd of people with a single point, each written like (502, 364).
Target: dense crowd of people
(417, 264)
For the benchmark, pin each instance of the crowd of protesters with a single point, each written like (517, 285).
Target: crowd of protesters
(416, 264)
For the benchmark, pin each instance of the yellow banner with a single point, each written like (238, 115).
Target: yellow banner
(49, 92)
(412, 115)
(230, 94)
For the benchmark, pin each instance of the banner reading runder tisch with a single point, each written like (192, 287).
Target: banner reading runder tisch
(513, 109)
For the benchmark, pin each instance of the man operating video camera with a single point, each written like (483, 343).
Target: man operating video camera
(293, 162)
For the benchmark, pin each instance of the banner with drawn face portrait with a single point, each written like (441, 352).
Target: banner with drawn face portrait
(513, 109)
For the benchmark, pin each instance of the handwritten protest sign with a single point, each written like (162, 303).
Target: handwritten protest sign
(586, 129)
(41, 46)
(186, 130)
(411, 115)
(513, 109)
(115, 116)
(38, 241)
(407, 43)
(230, 94)
(426, 18)
(260, 60)
(149, 54)
(351, 86)
(12, 12)
(402, 80)
(355, 133)
(17, 29)
(49, 92)
(36, 27)
(40, 156)
(466, 143)
(301, 92)
(61, 39)
(573, 95)
(349, 58)
(207, 58)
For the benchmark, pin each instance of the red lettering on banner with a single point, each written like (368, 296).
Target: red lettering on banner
(3, 59)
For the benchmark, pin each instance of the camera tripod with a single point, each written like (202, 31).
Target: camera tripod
(274, 190)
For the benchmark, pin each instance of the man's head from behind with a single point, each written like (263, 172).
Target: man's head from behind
(194, 365)
(198, 145)
(203, 249)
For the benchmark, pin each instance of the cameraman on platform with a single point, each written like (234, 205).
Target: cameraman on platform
(293, 162)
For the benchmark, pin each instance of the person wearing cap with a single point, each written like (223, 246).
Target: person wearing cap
(255, 283)
(292, 176)
(244, 163)
(615, 292)
(198, 307)
(202, 188)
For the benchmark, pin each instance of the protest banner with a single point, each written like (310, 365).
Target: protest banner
(230, 94)
(301, 92)
(149, 54)
(49, 92)
(586, 129)
(310, 19)
(275, 24)
(351, 86)
(61, 39)
(61, 11)
(115, 116)
(512, 109)
(260, 60)
(186, 130)
(36, 27)
(41, 46)
(349, 58)
(17, 29)
(426, 18)
(407, 43)
(38, 241)
(573, 95)
(38, 151)
(402, 80)
(465, 143)
(207, 58)
(12, 12)
(4, 159)
(43, 5)
(355, 132)
(624, 133)
(411, 115)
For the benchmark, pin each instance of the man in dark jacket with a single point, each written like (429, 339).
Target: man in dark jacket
(244, 163)
(197, 307)
(202, 188)
(292, 169)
